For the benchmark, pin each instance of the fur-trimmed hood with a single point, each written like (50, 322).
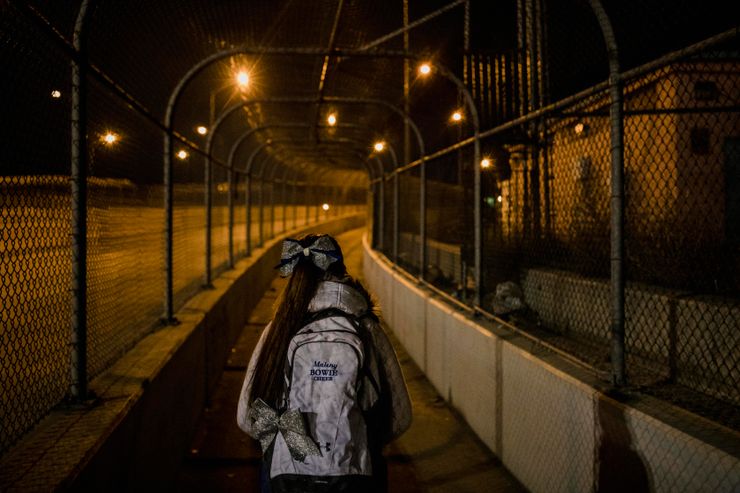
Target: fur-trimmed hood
(339, 295)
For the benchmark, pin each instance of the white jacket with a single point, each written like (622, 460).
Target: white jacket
(385, 366)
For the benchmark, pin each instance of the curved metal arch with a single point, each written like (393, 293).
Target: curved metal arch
(616, 135)
(250, 161)
(241, 139)
(168, 148)
(247, 171)
(361, 155)
(246, 50)
(270, 179)
(381, 192)
(266, 50)
(422, 168)
(364, 157)
(309, 100)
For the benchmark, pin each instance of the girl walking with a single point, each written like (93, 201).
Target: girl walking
(324, 390)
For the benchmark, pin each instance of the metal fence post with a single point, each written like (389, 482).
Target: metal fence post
(422, 218)
(617, 196)
(477, 212)
(478, 220)
(208, 185)
(307, 200)
(294, 197)
(272, 206)
(381, 212)
(230, 178)
(396, 216)
(248, 205)
(284, 197)
(78, 183)
(262, 215)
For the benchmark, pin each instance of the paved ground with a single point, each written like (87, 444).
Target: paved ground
(438, 454)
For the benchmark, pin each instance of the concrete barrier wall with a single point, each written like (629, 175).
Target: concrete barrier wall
(545, 418)
(696, 335)
(134, 435)
(693, 337)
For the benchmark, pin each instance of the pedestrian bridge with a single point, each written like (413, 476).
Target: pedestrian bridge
(547, 216)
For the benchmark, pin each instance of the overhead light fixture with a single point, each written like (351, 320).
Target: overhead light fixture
(201, 130)
(425, 69)
(182, 154)
(109, 138)
(331, 119)
(379, 146)
(242, 78)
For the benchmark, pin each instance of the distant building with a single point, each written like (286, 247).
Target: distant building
(682, 177)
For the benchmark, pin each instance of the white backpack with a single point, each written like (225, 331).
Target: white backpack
(325, 377)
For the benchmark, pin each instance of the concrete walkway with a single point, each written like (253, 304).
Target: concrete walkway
(438, 454)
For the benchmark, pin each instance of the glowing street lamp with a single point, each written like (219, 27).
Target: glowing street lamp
(379, 146)
(201, 130)
(332, 119)
(456, 116)
(425, 69)
(485, 163)
(182, 154)
(109, 138)
(325, 206)
(242, 79)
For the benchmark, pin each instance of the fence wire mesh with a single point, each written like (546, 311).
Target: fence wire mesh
(546, 225)
(408, 225)
(240, 216)
(189, 221)
(125, 213)
(545, 209)
(35, 212)
(546, 187)
(125, 266)
(220, 221)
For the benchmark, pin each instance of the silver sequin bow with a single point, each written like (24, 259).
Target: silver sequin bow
(289, 424)
(321, 252)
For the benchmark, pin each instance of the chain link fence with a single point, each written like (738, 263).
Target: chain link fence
(533, 249)
(546, 186)
(35, 210)
(124, 208)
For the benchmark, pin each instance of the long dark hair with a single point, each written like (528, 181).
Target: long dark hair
(290, 315)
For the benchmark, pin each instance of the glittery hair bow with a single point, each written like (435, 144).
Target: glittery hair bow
(321, 252)
(290, 424)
